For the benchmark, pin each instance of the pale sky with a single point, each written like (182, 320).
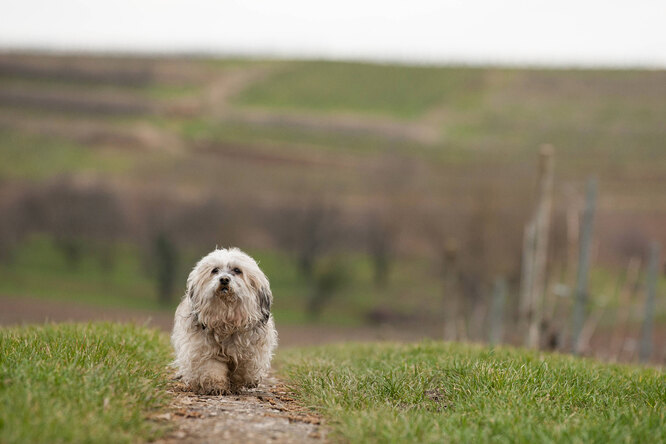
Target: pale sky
(535, 32)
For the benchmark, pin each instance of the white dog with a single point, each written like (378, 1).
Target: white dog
(223, 334)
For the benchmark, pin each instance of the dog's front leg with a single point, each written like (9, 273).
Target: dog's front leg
(213, 378)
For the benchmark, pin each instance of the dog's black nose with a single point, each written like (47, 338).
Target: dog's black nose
(224, 280)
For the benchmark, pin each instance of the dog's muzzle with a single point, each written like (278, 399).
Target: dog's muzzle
(224, 287)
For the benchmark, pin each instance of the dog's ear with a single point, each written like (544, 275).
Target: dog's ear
(265, 301)
(189, 289)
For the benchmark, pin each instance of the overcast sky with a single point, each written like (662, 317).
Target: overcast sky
(555, 32)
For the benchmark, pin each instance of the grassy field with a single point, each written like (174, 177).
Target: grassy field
(393, 90)
(26, 156)
(100, 382)
(124, 284)
(80, 383)
(128, 282)
(447, 392)
(442, 153)
(606, 123)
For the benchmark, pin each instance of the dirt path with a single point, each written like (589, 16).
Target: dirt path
(266, 414)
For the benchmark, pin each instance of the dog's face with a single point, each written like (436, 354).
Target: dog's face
(227, 289)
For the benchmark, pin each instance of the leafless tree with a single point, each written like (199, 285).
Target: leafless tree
(381, 244)
(165, 255)
(308, 231)
(76, 215)
(330, 276)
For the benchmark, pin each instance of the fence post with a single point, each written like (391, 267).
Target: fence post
(497, 312)
(542, 231)
(652, 278)
(525, 305)
(451, 297)
(625, 307)
(580, 302)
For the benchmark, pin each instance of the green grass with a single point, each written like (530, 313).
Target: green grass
(447, 392)
(393, 90)
(24, 156)
(125, 283)
(80, 383)
(286, 137)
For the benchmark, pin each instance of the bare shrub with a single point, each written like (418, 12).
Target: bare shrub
(631, 243)
(381, 243)
(206, 223)
(330, 276)
(307, 231)
(10, 232)
(75, 215)
(392, 176)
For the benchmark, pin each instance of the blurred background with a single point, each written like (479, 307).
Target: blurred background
(454, 170)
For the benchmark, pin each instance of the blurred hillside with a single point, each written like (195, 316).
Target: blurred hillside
(353, 182)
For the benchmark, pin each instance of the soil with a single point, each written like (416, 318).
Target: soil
(267, 414)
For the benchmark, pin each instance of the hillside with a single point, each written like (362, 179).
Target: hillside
(358, 180)
(421, 138)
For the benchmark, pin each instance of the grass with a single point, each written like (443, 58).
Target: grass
(447, 392)
(397, 91)
(604, 123)
(99, 382)
(127, 282)
(24, 156)
(124, 284)
(289, 138)
(601, 121)
(80, 383)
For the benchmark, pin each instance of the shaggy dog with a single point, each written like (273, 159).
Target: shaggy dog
(224, 335)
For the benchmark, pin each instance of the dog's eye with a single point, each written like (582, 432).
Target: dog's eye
(237, 270)
(215, 270)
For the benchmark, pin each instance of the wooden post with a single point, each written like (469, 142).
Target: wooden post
(526, 274)
(580, 302)
(542, 230)
(451, 295)
(497, 312)
(652, 277)
(625, 308)
(573, 231)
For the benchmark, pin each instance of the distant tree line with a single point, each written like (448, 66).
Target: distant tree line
(469, 246)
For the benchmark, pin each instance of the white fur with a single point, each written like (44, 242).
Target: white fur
(224, 340)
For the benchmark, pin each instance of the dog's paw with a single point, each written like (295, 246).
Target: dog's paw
(252, 384)
(212, 387)
(238, 387)
(216, 391)
(211, 390)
